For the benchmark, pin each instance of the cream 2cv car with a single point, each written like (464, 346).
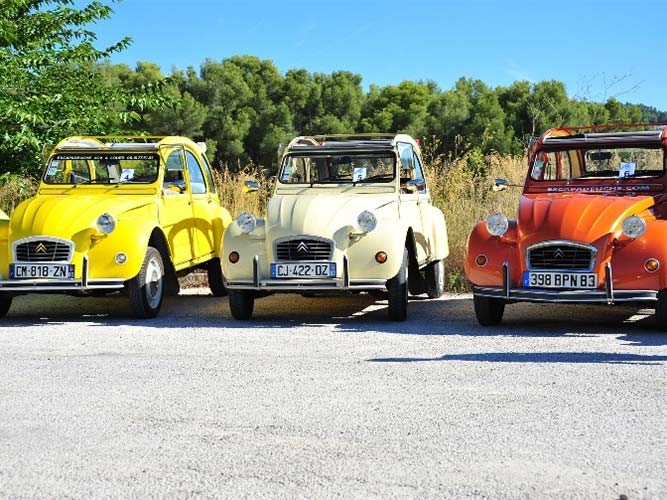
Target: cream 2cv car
(115, 214)
(347, 214)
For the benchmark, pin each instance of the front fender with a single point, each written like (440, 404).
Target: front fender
(497, 251)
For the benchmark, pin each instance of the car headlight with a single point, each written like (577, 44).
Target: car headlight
(634, 226)
(367, 221)
(497, 224)
(106, 223)
(246, 222)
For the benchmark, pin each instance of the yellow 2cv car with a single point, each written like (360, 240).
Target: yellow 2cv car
(348, 214)
(115, 214)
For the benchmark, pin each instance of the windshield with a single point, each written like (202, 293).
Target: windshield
(338, 168)
(102, 168)
(597, 163)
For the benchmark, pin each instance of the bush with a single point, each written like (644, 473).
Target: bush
(14, 189)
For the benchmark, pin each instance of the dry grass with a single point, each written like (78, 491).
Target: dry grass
(233, 195)
(466, 198)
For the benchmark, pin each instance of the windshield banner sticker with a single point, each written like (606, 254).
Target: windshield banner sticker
(115, 156)
(570, 189)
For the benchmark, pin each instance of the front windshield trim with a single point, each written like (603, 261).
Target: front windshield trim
(358, 175)
(597, 162)
(111, 171)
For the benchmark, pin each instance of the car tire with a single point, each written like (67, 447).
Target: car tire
(146, 289)
(216, 280)
(241, 303)
(489, 311)
(435, 279)
(661, 311)
(397, 291)
(5, 304)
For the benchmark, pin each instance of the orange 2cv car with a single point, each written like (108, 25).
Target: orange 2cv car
(591, 225)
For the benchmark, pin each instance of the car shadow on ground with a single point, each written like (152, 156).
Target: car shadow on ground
(356, 313)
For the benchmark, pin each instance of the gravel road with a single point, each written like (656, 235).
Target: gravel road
(324, 398)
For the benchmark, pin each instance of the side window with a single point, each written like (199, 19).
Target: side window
(407, 163)
(173, 175)
(419, 173)
(207, 172)
(197, 181)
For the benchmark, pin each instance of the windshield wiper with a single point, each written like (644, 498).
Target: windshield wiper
(376, 177)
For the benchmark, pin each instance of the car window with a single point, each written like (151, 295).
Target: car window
(619, 162)
(338, 168)
(406, 155)
(101, 168)
(197, 181)
(207, 172)
(173, 175)
(419, 173)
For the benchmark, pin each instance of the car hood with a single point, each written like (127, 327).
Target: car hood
(65, 215)
(576, 217)
(323, 214)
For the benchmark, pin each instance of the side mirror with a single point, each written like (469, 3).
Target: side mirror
(414, 185)
(250, 186)
(499, 185)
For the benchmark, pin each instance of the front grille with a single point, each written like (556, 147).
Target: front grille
(43, 251)
(304, 249)
(563, 256)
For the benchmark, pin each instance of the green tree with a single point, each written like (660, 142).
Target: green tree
(50, 85)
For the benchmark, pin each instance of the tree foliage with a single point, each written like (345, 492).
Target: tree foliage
(51, 84)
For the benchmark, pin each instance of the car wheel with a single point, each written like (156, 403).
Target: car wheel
(241, 303)
(435, 279)
(5, 304)
(216, 280)
(146, 289)
(489, 311)
(397, 291)
(661, 311)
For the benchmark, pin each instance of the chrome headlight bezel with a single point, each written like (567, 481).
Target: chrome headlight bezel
(247, 222)
(367, 221)
(105, 223)
(497, 224)
(634, 227)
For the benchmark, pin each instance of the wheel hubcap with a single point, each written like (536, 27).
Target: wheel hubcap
(153, 282)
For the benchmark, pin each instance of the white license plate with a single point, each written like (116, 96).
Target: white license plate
(303, 270)
(559, 280)
(34, 271)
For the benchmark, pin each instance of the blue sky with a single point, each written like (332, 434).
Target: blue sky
(597, 48)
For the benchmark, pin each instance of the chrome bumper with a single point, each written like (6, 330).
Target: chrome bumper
(300, 285)
(607, 296)
(47, 285)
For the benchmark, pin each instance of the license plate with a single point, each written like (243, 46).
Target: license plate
(560, 280)
(303, 270)
(35, 271)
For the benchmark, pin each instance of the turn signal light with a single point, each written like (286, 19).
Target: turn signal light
(234, 257)
(481, 260)
(381, 257)
(652, 265)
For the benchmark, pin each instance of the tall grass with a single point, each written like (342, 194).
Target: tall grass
(460, 187)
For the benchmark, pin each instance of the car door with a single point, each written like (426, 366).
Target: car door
(176, 211)
(410, 198)
(425, 205)
(204, 204)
